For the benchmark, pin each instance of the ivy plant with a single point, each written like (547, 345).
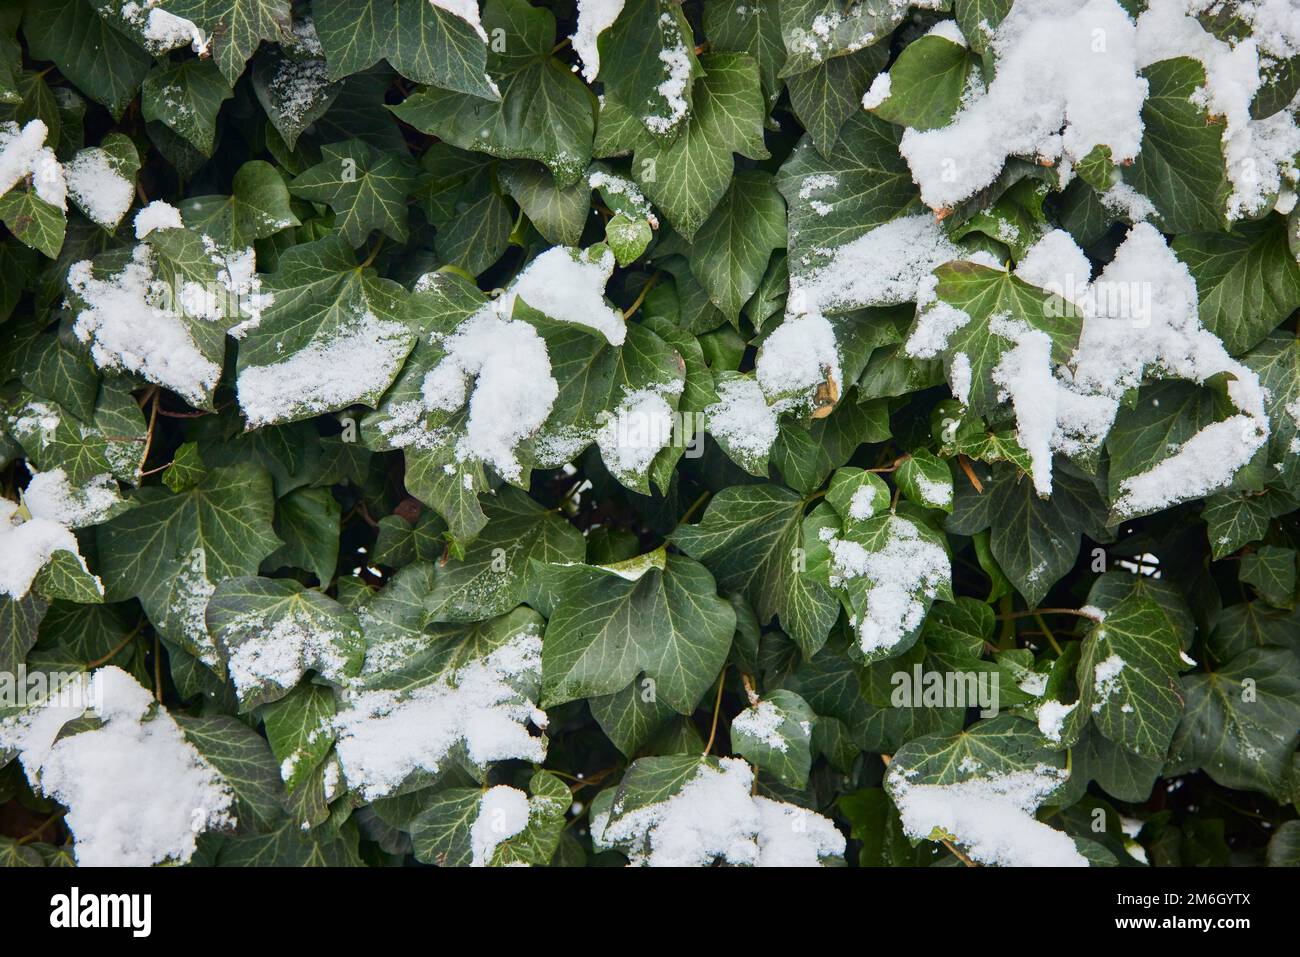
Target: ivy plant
(669, 432)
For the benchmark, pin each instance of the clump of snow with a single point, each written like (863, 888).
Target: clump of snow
(936, 321)
(862, 504)
(384, 736)
(507, 361)
(716, 818)
(161, 30)
(878, 92)
(1259, 154)
(934, 494)
(502, 813)
(137, 792)
(157, 215)
(634, 434)
(1056, 95)
(467, 10)
(1055, 263)
(98, 188)
(1105, 680)
(1051, 717)
(51, 496)
(23, 153)
(358, 358)
(1034, 682)
(568, 285)
(948, 30)
(882, 267)
(594, 18)
(959, 377)
(742, 418)
(992, 817)
(513, 387)
(900, 575)
(1139, 317)
(675, 55)
(32, 533)
(278, 652)
(796, 358)
(131, 322)
(763, 723)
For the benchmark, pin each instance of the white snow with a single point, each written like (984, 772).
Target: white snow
(96, 186)
(763, 723)
(131, 323)
(568, 285)
(1105, 680)
(862, 504)
(991, 817)
(279, 651)
(742, 418)
(634, 434)
(23, 153)
(49, 495)
(467, 10)
(899, 574)
(21, 150)
(882, 267)
(137, 792)
(716, 818)
(163, 31)
(934, 494)
(1259, 154)
(676, 58)
(1139, 318)
(28, 541)
(361, 357)
(507, 362)
(386, 736)
(594, 18)
(157, 215)
(26, 547)
(513, 389)
(1051, 717)
(502, 813)
(1066, 81)
(878, 92)
(796, 358)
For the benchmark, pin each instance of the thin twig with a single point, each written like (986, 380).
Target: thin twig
(640, 298)
(717, 708)
(1035, 612)
(32, 835)
(1047, 632)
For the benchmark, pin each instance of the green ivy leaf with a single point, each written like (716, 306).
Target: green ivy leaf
(272, 632)
(236, 27)
(1241, 722)
(544, 112)
(366, 189)
(186, 97)
(668, 623)
(775, 734)
(1247, 280)
(323, 303)
(171, 550)
(1180, 168)
(424, 43)
(926, 83)
(751, 540)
